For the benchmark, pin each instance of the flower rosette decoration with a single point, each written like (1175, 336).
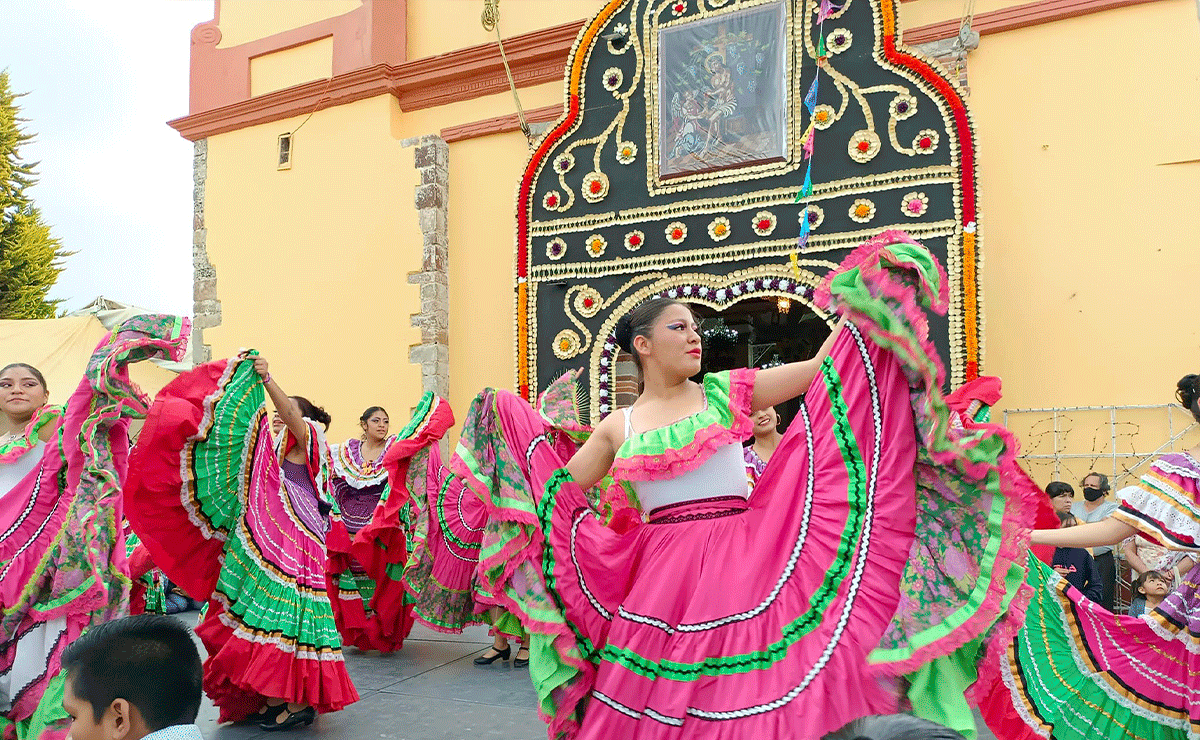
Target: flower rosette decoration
(566, 344)
(719, 229)
(595, 186)
(634, 240)
(596, 245)
(902, 107)
(552, 200)
(556, 248)
(626, 152)
(926, 141)
(838, 40)
(824, 116)
(564, 162)
(914, 205)
(613, 77)
(678, 8)
(862, 210)
(764, 223)
(814, 214)
(676, 232)
(587, 302)
(863, 146)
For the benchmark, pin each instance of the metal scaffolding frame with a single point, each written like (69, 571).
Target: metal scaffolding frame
(1057, 414)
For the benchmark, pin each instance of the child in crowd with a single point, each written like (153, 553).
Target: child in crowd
(1149, 591)
(136, 678)
(1077, 565)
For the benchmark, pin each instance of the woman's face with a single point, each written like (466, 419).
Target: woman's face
(675, 341)
(376, 426)
(765, 421)
(1155, 586)
(21, 393)
(277, 424)
(1062, 502)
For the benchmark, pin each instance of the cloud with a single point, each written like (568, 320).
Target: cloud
(115, 180)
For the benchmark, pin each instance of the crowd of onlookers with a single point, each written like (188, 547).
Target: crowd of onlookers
(1153, 570)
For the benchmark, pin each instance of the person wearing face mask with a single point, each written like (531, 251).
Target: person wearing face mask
(1076, 671)
(248, 536)
(1096, 507)
(371, 544)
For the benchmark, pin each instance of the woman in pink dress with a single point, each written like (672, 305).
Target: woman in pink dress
(696, 610)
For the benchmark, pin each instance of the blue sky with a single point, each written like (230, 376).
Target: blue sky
(115, 181)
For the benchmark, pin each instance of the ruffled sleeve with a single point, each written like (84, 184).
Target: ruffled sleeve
(675, 449)
(1162, 504)
(13, 449)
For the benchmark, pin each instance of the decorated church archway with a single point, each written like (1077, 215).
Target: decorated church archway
(718, 149)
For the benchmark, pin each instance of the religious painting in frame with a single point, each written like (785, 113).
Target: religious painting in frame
(723, 91)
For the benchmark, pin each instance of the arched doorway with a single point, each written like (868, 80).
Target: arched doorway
(760, 332)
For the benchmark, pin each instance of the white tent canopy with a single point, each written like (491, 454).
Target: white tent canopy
(61, 348)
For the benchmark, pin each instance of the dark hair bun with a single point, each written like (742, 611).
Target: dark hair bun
(1188, 389)
(624, 334)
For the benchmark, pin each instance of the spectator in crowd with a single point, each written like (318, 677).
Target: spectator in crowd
(1095, 507)
(1149, 590)
(136, 678)
(1062, 496)
(1077, 565)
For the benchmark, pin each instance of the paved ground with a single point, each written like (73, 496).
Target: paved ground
(431, 690)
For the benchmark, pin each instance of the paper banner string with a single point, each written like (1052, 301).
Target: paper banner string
(825, 9)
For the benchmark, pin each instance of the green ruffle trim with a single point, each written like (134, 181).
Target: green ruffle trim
(48, 722)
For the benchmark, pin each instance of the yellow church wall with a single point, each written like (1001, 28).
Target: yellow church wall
(482, 222)
(439, 26)
(312, 262)
(242, 22)
(1086, 274)
(1089, 237)
(300, 64)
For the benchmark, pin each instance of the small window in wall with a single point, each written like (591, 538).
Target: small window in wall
(285, 152)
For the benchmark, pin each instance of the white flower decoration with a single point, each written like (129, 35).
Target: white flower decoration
(719, 229)
(862, 211)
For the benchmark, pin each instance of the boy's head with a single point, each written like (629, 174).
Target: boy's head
(130, 677)
(1067, 519)
(1061, 496)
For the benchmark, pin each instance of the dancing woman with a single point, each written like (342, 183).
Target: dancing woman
(701, 613)
(233, 518)
(372, 483)
(26, 421)
(62, 554)
(1074, 670)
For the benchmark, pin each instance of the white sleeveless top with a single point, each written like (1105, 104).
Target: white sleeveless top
(722, 474)
(12, 473)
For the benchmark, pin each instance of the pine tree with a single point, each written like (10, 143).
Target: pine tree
(30, 257)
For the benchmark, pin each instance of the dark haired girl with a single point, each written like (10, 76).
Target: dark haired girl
(26, 421)
(62, 550)
(878, 539)
(1075, 671)
(248, 536)
(370, 547)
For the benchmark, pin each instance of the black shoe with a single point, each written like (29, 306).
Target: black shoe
(500, 655)
(303, 717)
(520, 662)
(267, 714)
